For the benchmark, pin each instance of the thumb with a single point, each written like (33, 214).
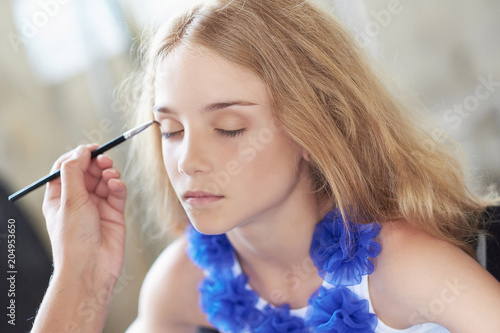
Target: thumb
(73, 188)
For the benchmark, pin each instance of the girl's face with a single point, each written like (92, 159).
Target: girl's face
(219, 137)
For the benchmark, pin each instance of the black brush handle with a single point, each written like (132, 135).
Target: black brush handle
(57, 174)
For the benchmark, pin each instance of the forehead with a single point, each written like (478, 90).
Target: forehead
(198, 73)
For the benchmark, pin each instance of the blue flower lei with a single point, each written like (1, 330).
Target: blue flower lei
(341, 256)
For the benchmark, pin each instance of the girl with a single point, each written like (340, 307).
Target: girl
(304, 197)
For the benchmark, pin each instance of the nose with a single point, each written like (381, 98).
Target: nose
(195, 155)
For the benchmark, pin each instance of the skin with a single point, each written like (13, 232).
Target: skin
(84, 212)
(267, 211)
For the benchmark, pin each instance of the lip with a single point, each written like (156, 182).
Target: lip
(200, 198)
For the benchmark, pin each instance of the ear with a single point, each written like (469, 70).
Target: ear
(306, 156)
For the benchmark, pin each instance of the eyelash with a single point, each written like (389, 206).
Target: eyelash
(230, 134)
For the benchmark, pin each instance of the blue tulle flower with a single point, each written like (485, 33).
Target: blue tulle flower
(210, 252)
(338, 310)
(342, 256)
(227, 303)
(280, 320)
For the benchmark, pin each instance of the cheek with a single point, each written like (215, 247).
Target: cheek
(271, 160)
(169, 163)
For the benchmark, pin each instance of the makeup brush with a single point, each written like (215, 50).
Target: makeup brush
(125, 136)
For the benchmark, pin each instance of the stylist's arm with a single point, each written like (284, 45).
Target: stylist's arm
(84, 212)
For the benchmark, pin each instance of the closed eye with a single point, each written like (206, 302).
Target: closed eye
(231, 134)
(167, 136)
(225, 133)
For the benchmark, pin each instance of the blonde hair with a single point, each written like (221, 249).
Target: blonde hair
(368, 157)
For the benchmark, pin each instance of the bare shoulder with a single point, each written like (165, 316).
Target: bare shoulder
(169, 294)
(419, 278)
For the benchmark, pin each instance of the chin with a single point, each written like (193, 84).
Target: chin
(210, 227)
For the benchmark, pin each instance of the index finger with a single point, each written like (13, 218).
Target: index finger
(53, 188)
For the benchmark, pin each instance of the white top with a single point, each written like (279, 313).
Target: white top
(363, 292)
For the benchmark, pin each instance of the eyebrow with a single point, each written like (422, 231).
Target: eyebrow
(207, 108)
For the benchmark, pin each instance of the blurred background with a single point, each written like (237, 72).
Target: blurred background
(60, 61)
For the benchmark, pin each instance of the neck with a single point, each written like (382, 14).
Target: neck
(273, 250)
(280, 238)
